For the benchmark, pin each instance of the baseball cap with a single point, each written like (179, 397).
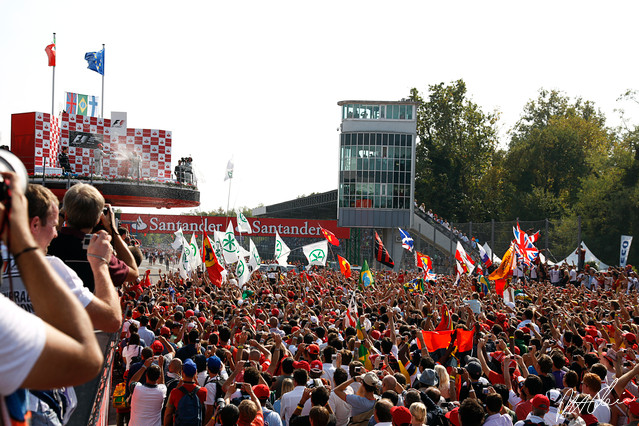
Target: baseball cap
(317, 365)
(188, 368)
(554, 396)
(303, 365)
(375, 334)
(631, 337)
(632, 405)
(214, 363)
(189, 313)
(275, 312)
(401, 415)
(541, 402)
(474, 369)
(429, 377)
(453, 416)
(371, 379)
(165, 331)
(261, 391)
(157, 347)
(313, 349)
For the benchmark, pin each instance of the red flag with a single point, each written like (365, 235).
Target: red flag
(213, 267)
(50, 49)
(147, 279)
(344, 266)
(330, 237)
(439, 340)
(500, 286)
(381, 254)
(446, 322)
(423, 261)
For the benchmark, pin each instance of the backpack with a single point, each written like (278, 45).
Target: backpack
(361, 419)
(189, 409)
(218, 387)
(120, 397)
(170, 385)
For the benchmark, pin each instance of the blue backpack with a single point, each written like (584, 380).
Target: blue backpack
(189, 409)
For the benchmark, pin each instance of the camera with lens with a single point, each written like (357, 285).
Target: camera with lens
(10, 163)
(220, 403)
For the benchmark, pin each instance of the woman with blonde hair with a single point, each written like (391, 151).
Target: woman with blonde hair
(287, 386)
(444, 381)
(418, 411)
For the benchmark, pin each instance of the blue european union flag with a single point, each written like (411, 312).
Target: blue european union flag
(95, 61)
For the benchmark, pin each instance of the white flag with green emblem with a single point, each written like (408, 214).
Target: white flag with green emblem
(229, 171)
(185, 266)
(195, 258)
(316, 253)
(281, 250)
(243, 225)
(230, 247)
(218, 237)
(242, 272)
(254, 259)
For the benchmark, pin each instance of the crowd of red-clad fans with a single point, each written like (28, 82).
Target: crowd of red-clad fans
(310, 348)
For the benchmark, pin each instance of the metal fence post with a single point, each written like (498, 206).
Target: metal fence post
(492, 239)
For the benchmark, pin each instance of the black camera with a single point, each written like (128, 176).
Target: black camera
(10, 163)
(105, 211)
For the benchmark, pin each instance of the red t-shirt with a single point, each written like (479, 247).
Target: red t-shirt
(523, 409)
(177, 394)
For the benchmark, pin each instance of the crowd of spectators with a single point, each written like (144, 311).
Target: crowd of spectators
(443, 222)
(307, 348)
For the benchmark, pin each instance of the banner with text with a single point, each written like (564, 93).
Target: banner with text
(626, 240)
(261, 227)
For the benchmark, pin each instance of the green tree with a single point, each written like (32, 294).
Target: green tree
(608, 200)
(551, 151)
(457, 142)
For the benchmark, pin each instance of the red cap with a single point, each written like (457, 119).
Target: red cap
(261, 391)
(294, 329)
(541, 402)
(202, 320)
(317, 365)
(275, 312)
(375, 334)
(498, 356)
(136, 314)
(303, 365)
(291, 294)
(632, 405)
(401, 415)
(630, 337)
(452, 415)
(313, 349)
(157, 347)
(165, 331)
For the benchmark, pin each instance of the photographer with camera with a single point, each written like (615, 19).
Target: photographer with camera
(32, 345)
(319, 395)
(84, 209)
(363, 402)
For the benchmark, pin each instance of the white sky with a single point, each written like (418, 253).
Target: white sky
(259, 81)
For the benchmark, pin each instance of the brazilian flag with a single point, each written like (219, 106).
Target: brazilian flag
(366, 277)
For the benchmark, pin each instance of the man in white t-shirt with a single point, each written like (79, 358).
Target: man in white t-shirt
(103, 307)
(147, 399)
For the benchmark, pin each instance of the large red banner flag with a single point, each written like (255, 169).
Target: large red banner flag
(213, 267)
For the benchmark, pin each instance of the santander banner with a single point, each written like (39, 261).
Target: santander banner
(261, 227)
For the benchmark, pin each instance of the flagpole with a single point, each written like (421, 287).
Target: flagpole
(228, 201)
(102, 112)
(53, 83)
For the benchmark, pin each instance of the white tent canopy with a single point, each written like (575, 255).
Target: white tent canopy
(590, 257)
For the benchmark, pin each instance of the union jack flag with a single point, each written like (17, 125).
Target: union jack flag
(525, 245)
